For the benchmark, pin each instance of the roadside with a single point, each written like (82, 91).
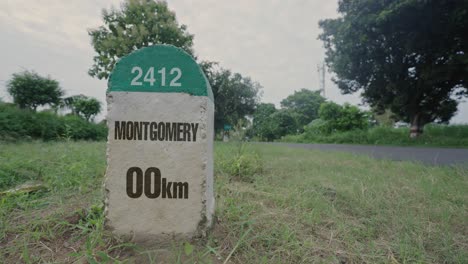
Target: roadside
(274, 204)
(426, 155)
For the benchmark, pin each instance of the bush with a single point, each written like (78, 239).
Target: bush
(342, 118)
(434, 135)
(17, 124)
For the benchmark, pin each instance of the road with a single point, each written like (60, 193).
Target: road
(431, 156)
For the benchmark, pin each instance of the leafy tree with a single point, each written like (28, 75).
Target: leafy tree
(408, 56)
(284, 122)
(81, 105)
(263, 126)
(235, 96)
(305, 103)
(138, 24)
(30, 90)
(341, 118)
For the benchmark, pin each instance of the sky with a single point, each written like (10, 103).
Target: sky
(272, 41)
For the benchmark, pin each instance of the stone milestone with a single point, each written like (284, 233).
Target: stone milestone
(159, 178)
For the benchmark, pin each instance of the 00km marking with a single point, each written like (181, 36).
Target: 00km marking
(153, 185)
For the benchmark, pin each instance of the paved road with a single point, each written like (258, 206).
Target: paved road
(432, 156)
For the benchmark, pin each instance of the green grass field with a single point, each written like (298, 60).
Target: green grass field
(274, 205)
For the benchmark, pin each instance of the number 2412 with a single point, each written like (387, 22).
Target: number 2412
(149, 76)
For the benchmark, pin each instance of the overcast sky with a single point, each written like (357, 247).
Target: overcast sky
(272, 41)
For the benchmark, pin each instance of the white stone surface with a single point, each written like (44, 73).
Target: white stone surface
(159, 220)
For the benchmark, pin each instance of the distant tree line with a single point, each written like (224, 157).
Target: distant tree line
(303, 110)
(21, 119)
(29, 90)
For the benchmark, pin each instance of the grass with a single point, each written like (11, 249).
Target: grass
(433, 136)
(303, 206)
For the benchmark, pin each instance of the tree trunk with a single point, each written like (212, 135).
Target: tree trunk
(417, 126)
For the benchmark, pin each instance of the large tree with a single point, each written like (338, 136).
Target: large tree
(305, 103)
(30, 90)
(236, 96)
(408, 56)
(138, 24)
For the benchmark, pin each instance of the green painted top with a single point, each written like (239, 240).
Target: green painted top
(159, 69)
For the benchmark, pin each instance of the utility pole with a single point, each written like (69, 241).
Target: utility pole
(321, 75)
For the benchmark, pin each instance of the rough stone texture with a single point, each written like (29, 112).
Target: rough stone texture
(159, 220)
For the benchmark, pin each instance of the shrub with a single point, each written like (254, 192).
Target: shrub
(434, 135)
(238, 160)
(342, 118)
(18, 123)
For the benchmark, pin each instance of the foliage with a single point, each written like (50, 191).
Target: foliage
(385, 118)
(30, 90)
(341, 118)
(81, 105)
(263, 126)
(138, 24)
(305, 103)
(242, 162)
(284, 122)
(18, 124)
(434, 135)
(408, 56)
(270, 124)
(235, 96)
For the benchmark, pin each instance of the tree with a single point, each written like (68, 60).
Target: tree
(235, 96)
(138, 24)
(341, 118)
(81, 105)
(305, 103)
(263, 126)
(284, 122)
(29, 90)
(408, 56)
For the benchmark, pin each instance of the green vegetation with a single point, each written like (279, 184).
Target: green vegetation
(30, 90)
(298, 110)
(138, 24)
(298, 206)
(408, 56)
(84, 106)
(434, 135)
(235, 96)
(19, 124)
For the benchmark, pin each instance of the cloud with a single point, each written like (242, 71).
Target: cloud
(55, 23)
(272, 41)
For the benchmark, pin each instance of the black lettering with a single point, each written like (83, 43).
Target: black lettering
(186, 132)
(171, 132)
(153, 133)
(180, 188)
(129, 130)
(162, 131)
(145, 124)
(138, 131)
(180, 131)
(119, 131)
(130, 182)
(157, 182)
(166, 189)
(194, 131)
